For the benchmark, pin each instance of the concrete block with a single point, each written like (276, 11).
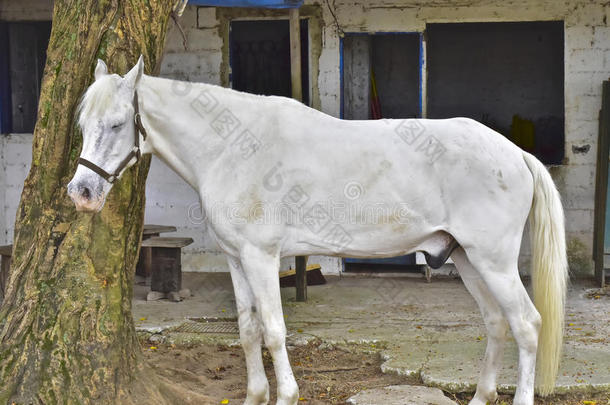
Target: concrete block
(206, 17)
(579, 220)
(203, 39)
(587, 108)
(15, 174)
(578, 176)
(581, 198)
(352, 17)
(204, 262)
(173, 40)
(401, 395)
(582, 83)
(579, 37)
(18, 150)
(399, 19)
(191, 66)
(584, 60)
(579, 154)
(189, 17)
(606, 71)
(601, 37)
(13, 196)
(581, 131)
(586, 13)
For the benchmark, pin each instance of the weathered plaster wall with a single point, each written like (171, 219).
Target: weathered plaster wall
(3, 221)
(15, 158)
(26, 10)
(587, 63)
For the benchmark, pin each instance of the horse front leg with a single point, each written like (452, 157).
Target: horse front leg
(250, 335)
(261, 269)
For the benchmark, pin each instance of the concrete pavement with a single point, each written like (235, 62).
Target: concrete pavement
(430, 330)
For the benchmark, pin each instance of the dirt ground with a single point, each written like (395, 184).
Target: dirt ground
(325, 374)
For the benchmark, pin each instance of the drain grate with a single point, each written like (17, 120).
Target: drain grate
(211, 327)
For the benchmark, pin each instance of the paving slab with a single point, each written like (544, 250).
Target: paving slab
(401, 395)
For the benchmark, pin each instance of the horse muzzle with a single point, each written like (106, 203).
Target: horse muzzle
(85, 198)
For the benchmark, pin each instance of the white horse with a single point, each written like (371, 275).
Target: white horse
(277, 178)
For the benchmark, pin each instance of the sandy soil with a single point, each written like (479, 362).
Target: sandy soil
(325, 374)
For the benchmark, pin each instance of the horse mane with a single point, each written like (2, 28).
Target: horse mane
(97, 98)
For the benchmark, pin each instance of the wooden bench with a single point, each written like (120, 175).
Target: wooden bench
(6, 253)
(143, 268)
(166, 268)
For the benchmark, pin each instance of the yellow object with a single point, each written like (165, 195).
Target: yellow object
(292, 272)
(373, 84)
(224, 401)
(523, 133)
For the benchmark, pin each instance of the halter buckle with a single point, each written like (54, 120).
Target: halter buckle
(138, 122)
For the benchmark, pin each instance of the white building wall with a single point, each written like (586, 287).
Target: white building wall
(170, 200)
(15, 158)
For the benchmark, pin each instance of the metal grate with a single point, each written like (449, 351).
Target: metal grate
(211, 327)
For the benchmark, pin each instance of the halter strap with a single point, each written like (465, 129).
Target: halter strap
(135, 152)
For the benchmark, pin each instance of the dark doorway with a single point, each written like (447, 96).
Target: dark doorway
(394, 60)
(509, 76)
(260, 57)
(23, 50)
(396, 64)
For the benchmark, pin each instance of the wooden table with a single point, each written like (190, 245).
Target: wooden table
(166, 269)
(144, 266)
(151, 230)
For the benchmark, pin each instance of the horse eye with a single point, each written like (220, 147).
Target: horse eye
(117, 126)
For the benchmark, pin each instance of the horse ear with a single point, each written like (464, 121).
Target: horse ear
(133, 76)
(101, 69)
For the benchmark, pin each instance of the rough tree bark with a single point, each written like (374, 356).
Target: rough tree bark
(66, 330)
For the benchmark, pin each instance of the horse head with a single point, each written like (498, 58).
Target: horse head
(111, 128)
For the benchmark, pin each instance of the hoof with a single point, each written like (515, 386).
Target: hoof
(154, 296)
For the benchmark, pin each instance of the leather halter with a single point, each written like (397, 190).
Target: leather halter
(135, 152)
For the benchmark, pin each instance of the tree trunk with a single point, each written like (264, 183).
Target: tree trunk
(66, 330)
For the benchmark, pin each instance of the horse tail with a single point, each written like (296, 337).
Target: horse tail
(549, 271)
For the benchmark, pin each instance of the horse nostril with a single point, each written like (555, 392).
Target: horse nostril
(85, 193)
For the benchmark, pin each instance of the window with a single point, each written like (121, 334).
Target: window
(260, 57)
(509, 76)
(23, 47)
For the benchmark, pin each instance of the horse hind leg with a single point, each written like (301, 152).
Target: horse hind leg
(500, 274)
(496, 328)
